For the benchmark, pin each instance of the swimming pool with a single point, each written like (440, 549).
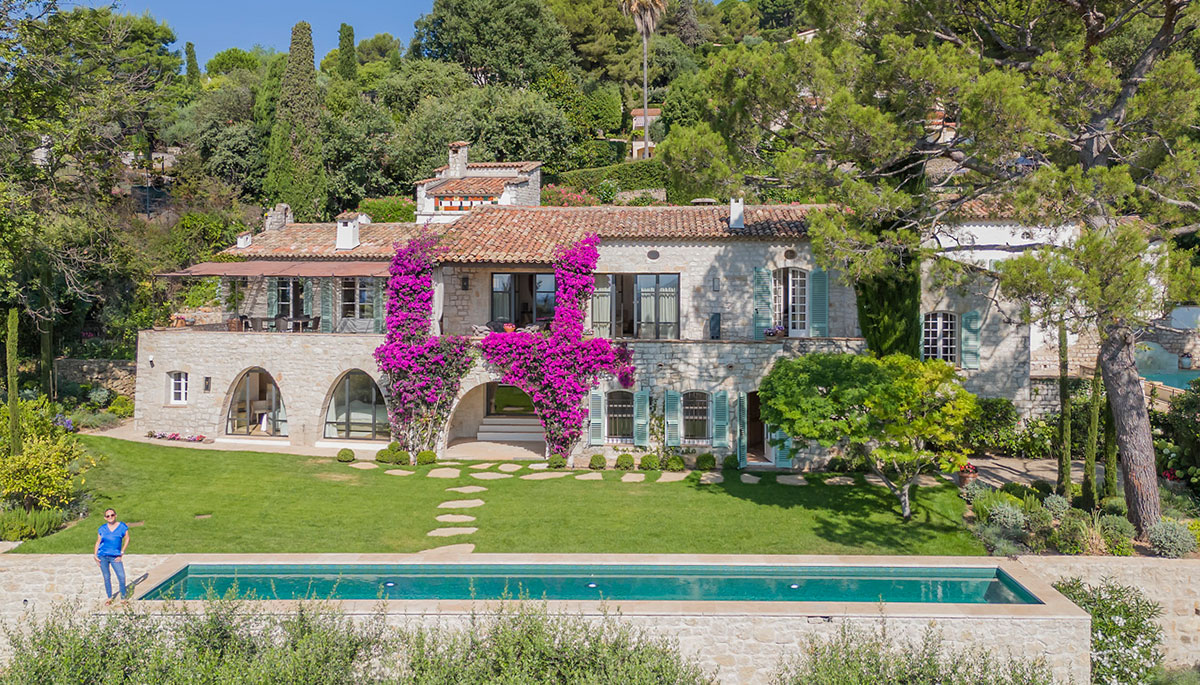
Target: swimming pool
(731, 583)
(1175, 379)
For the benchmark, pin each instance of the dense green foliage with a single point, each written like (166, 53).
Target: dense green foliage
(396, 208)
(295, 172)
(1126, 638)
(637, 175)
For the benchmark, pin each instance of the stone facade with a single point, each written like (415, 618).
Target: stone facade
(118, 375)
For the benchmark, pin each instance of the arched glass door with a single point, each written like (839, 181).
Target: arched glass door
(256, 407)
(357, 410)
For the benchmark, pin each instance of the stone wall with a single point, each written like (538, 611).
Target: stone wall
(1173, 583)
(36, 582)
(118, 375)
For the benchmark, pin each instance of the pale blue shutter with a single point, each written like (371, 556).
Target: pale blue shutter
(641, 418)
(596, 418)
(272, 297)
(673, 418)
(818, 285)
(741, 430)
(763, 302)
(326, 305)
(377, 305)
(308, 297)
(972, 322)
(782, 445)
(720, 419)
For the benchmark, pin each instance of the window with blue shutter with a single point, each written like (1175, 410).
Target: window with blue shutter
(377, 306)
(972, 323)
(641, 418)
(673, 418)
(741, 430)
(326, 305)
(720, 436)
(308, 297)
(596, 418)
(272, 297)
(818, 285)
(763, 302)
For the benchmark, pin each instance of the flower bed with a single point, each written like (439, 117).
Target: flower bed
(181, 437)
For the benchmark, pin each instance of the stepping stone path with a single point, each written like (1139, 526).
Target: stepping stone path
(633, 478)
(444, 473)
(364, 465)
(873, 479)
(711, 478)
(539, 467)
(461, 504)
(545, 476)
(491, 475)
(449, 532)
(468, 489)
(671, 477)
(480, 467)
(594, 475)
(790, 479)
(749, 479)
(450, 463)
(926, 480)
(398, 472)
(509, 468)
(840, 480)
(455, 518)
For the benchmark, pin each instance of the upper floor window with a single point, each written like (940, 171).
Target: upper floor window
(940, 340)
(358, 298)
(695, 416)
(291, 297)
(178, 387)
(636, 306)
(523, 299)
(791, 301)
(620, 415)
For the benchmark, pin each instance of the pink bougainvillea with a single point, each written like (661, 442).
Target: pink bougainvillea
(423, 372)
(557, 368)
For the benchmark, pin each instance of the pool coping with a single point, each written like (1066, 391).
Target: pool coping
(1054, 604)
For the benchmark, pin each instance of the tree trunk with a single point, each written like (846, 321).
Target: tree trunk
(645, 96)
(1090, 494)
(1132, 425)
(14, 409)
(1064, 418)
(1110, 450)
(47, 334)
(900, 492)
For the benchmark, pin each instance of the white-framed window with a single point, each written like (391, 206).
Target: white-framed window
(358, 298)
(177, 392)
(940, 338)
(791, 301)
(696, 413)
(620, 416)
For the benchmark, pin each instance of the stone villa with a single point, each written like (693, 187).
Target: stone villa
(706, 297)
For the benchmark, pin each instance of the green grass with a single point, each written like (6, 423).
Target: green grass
(510, 400)
(284, 503)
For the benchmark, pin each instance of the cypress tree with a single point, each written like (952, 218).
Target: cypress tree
(193, 67)
(347, 66)
(295, 172)
(14, 408)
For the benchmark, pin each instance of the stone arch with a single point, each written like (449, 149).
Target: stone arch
(330, 393)
(472, 386)
(250, 405)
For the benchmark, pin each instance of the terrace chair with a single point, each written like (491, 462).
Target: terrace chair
(280, 324)
(314, 324)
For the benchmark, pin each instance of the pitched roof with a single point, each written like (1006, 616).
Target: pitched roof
(654, 112)
(519, 166)
(316, 241)
(475, 185)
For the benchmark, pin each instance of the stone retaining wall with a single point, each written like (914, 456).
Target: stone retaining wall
(118, 375)
(36, 582)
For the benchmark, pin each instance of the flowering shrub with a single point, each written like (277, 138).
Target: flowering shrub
(557, 368)
(1125, 636)
(423, 372)
(64, 422)
(564, 196)
(182, 437)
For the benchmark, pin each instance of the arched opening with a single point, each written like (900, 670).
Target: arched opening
(356, 409)
(494, 421)
(256, 406)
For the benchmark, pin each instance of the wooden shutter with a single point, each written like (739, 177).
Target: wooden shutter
(972, 322)
(818, 285)
(720, 419)
(673, 418)
(596, 418)
(741, 430)
(641, 418)
(308, 296)
(762, 302)
(272, 297)
(326, 305)
(782, 445)
(377, 305)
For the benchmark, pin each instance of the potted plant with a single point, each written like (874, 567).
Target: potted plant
(510, 327)
(1185, 360)
(967, 474)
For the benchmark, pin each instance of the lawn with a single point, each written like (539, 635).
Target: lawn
(258, 502)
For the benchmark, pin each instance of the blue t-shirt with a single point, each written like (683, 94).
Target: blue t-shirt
(110, 540)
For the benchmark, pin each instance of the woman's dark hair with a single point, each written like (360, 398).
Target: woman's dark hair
(114, 511)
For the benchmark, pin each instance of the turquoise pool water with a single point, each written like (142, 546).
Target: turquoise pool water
(931, 585)
(1175, 379)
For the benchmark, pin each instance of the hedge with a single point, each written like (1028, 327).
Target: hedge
(639, 175)
(396, 208)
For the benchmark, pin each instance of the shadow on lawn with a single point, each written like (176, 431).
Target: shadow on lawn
(860, 514)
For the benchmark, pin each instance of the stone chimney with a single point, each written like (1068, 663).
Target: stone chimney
(244, 239)
(279, 217)
(347, 230)
(458, 159)
(737, 212)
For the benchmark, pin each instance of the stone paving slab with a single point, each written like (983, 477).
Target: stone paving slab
(509, 468)
(539, 467)
(399, 472)
(6, 545)
(444, 473)
(450, 463)
(485, 465)
(633, 478)
(750, 479)
(450, 532)
(711, 478)
(671, 477)
(840, 480)
(364, 465)
(452, 550)
(461, 504)
(490, 475)
(455, 518)
(468, 489)
(790, 479)
(594, 475)
(547, 475)
(873, 479)
(928, 480)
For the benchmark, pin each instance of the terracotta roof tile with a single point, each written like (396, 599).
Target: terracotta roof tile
(654, 112)
(316, 241)
(474, 185)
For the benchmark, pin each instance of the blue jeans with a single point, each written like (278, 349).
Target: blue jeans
(119, 567)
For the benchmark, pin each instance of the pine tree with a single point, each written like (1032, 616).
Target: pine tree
(295, 174)
(347, 66)
(193, 67)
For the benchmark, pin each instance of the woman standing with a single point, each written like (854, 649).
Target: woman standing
(111, 542)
